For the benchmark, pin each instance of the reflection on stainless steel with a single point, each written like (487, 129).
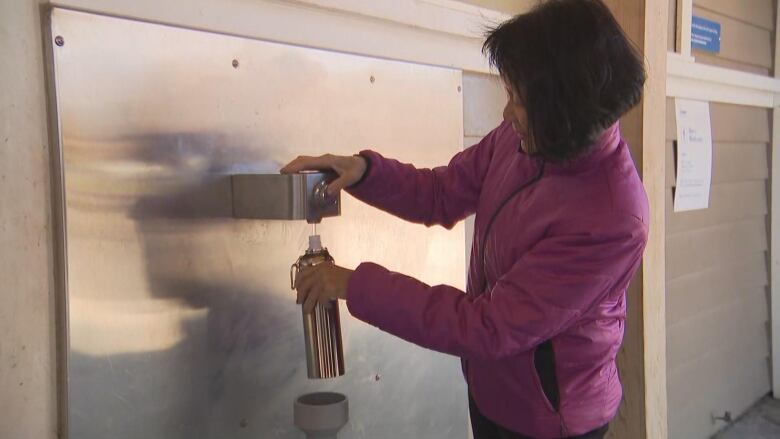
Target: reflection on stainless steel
(181, 320)
(284, 197)
(322, 327)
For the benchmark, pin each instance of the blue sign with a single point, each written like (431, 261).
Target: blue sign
(705, 35)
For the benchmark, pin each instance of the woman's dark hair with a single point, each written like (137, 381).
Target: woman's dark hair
(574, 70)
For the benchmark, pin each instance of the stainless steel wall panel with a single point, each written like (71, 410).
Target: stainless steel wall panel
(181, 319)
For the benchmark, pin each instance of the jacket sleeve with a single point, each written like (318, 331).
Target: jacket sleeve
(543, 294)
(439, 196)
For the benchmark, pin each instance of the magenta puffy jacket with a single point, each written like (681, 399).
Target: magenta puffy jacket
(555, 247)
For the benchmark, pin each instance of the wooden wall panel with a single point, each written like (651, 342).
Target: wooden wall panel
(505, 6)
(671, 29)
(759, 13)
(745, 45)
(693, 337)
(695, 293)
(731, 162)
(729, 203)
(716, 60)
(736, 123)
(716, 259)
(730, 123)
(713, 383)
(698, 250)
(717, 278)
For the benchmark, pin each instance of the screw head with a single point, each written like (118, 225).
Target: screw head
(235, 63)
(459, 88)
(372, 79)
(58, 40)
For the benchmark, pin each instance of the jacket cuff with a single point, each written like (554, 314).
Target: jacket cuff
(362, 286)
(371, 183)
(367, 159)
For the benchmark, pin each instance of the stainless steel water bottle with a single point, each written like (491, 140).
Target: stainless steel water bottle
(321, 327)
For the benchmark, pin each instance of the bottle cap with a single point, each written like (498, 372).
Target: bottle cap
(314, 243)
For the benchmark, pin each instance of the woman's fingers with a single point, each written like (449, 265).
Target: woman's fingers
(307, 163)
(311, 299)
(321, 284)
(338, 184)
(310, 286)
(350, 169)
(304, 283)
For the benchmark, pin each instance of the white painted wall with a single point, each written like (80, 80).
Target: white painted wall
(27, 384)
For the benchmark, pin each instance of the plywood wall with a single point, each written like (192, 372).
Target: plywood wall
(717, 280)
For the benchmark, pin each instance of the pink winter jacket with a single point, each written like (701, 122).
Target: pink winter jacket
(557, 260)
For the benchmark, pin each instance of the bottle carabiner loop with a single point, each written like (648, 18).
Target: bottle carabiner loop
(293, 274)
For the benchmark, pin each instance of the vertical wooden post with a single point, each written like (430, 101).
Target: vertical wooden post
(654, 178)
(683, 32)
(774, 247)
(642, 360)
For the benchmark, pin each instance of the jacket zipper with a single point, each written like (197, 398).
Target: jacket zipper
(501, 206)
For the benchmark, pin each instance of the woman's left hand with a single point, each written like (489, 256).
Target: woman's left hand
(320, 284)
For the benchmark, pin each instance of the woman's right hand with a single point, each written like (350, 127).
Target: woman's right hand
(349, 168)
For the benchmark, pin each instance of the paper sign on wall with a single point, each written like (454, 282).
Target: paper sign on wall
(694, 155)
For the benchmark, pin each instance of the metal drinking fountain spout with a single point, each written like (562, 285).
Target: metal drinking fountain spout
(301, 196)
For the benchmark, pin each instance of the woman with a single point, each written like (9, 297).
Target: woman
(561, 224)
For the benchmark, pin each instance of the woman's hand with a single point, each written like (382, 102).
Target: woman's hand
(349, 168)
(320, 284)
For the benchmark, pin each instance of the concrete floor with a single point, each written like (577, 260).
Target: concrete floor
(761, 422)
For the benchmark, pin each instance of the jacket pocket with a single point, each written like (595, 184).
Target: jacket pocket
(546, 379)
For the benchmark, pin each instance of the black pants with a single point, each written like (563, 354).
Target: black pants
(484, 428)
